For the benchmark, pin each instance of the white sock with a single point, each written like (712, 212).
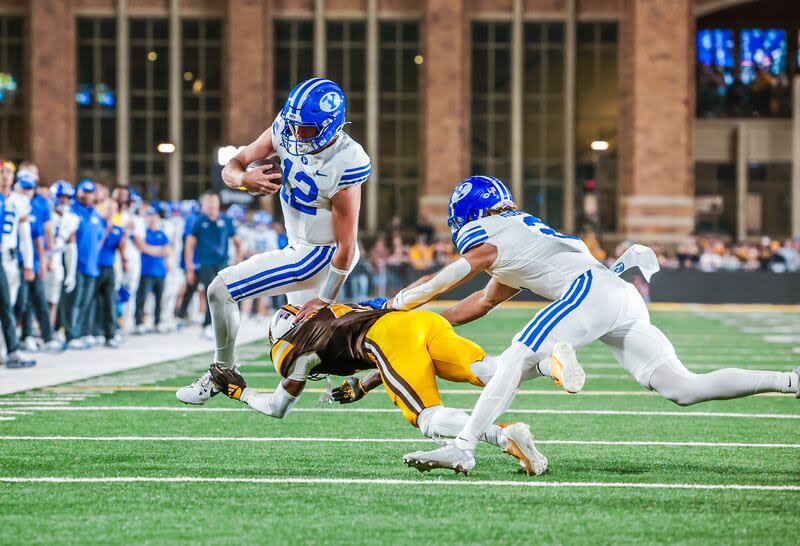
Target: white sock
(444, 422)
(546, 367)
(495, 398)
(224, 319)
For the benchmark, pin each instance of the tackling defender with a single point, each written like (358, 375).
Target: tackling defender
(590, 302)
(323, 169)
(409, 350)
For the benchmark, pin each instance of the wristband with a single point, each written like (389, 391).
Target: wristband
(331, 287)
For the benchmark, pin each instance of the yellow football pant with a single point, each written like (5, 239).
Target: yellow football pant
(411, 349)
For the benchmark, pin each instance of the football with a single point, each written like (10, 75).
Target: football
(275, 167)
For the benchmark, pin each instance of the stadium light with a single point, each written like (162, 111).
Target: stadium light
(599, 145)
(165, 148)
(226, 153)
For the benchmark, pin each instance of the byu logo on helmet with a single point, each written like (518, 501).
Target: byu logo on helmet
(319, 104)
(473, 198)
(330, 102)
(461, 190)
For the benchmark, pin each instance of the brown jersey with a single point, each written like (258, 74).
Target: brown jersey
(336, 334)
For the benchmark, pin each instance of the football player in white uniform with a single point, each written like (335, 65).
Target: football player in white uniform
(16, 235)
(590, 302)
(64, 256)
(323, 169)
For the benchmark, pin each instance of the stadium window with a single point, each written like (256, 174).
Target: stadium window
(399, 122)
(596, 111)
(491, 100)
(13, 134)
(543, 105)
(149, 113)
(346, 65)
(294, 56)
(294, 63)
(95, 98)
(202, 101)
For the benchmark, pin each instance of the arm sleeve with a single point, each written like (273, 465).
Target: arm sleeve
(26, 244)
(277, 404)
(70, 263)
(448, 277)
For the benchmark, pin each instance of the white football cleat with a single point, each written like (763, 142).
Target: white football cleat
(522, 448)
(566, 370)
(199, 392)
(447, 456)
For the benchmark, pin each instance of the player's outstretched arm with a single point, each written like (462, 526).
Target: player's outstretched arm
(354, 389)
(479, 303)
(259, 180)
(277, 404)
(474, 261)
(345, 206)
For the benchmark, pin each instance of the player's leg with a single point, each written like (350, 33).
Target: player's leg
(646, 353)
(294, 268)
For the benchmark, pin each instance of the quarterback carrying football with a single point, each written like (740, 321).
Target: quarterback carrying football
(408, 350)
(323, 169)
(590, 302)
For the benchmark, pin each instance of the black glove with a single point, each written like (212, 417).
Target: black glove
(228, 381)
(350, 391)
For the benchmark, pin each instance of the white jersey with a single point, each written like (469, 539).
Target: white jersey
(17, 207)
(65, 224)
(309, 182)
(530, 254)
(173, 229)
(263, 240)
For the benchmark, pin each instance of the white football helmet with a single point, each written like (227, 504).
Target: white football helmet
(282, 321)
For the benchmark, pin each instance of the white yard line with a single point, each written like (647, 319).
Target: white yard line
(305, 439)
(7, 418)
(183, 409)
(432, 482)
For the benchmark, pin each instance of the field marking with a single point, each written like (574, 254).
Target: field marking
(331, 410)
(7, 418)
(471, 391)
(432, 482)
(657, 306)
(306, 439)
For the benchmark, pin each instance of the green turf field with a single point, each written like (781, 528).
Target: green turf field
(625, 465)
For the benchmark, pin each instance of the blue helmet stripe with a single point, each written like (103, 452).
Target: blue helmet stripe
(298, 91)
(309, 89)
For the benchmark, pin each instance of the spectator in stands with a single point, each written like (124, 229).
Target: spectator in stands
(154, 250)
(421, 253)
(88, 237)
(379, 258)
(209, 235)
(791, 253)
(443, 251)
(590, 238)
(396, 264)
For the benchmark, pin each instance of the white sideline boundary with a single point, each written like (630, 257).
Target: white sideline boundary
(137, 352)
(428, 483)
(332, 411)
(305, 439)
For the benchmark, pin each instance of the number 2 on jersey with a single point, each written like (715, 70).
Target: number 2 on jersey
(533, 221)
(295, 197)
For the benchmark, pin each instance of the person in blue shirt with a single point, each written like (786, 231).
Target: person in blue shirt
(209, 236)
(154, 251)
(104, 310)
(31, 300)
(88, 237)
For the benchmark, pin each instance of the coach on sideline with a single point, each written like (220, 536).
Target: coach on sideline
(89, 235)
(209, 235)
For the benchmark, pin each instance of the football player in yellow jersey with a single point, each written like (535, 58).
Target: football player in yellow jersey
(408, 350)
